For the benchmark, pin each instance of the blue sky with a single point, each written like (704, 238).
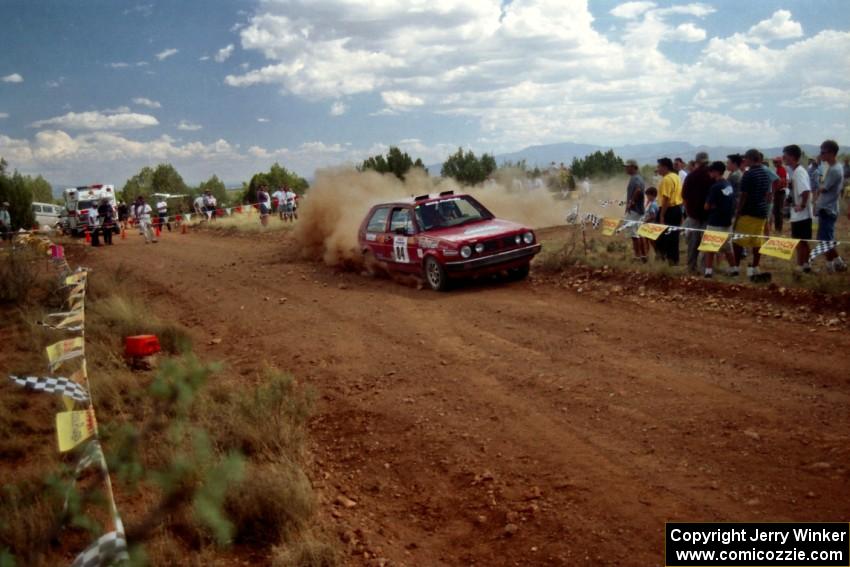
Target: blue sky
(92, 91)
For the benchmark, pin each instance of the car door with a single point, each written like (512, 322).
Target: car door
(402, 239)
(376, 234)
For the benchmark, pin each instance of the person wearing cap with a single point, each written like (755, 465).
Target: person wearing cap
(694, 193)
(670, 194)
(634, 207)
(5, 222)
(826, 204)
(142, 213)
(779, 191)
(751, 214)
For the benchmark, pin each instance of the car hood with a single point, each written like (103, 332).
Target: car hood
(474, 232)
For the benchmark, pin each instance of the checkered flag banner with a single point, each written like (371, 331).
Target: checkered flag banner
(572, 217)
(109, 549)
(92, 455)
(50, 385)
(593, 219)
(822, 248)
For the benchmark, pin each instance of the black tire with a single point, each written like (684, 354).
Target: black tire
(434, 274)
(519, 274)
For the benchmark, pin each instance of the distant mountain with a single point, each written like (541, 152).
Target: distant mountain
(543, 155)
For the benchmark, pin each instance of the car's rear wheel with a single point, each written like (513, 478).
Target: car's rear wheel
(520, 273)
(435, 274)
(370, 264)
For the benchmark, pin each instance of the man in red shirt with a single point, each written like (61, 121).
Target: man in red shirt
(779, 187)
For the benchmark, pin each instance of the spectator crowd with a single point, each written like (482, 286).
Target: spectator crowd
(742, 197)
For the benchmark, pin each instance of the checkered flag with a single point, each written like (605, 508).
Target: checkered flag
(593, 219)
(603, 203)
(92, 455)
(109, 549)
(822, 248)
(50, 385)
(572, 217)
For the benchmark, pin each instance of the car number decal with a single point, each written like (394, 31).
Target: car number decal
(400, 250)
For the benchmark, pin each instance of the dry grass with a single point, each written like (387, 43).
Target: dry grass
(310, 551)
(245, 222)
(22, 271)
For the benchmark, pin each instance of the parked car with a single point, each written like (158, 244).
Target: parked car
(443, 238)
(47, 214)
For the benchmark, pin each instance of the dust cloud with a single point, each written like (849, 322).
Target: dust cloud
(338, 200)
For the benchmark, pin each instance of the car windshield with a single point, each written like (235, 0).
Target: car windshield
(450, 212)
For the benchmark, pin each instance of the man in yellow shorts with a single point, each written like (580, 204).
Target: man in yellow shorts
(751, 215)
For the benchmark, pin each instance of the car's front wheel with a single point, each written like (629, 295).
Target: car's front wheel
(518, 274)
(435, 274)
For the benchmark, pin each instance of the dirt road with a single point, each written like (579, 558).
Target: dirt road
(523, 423)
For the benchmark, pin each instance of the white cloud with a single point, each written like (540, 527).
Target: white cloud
(142, 101)
(142, 63)
(224, 53)
(116, 119)
(338, 108)
(188, 126)
(689, 32)
(55, 84)
(728, 130)
(819, 96)
(630, 10)
(13, 78)
(4, 115)
(778, 26)
(204, 58)
(401, 100)
(118, 65)
(262, 120)
(166, 53)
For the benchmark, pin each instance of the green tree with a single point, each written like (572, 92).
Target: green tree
(277, 176)
(41, 190)
(139, 184)
(15, 189)
(597, 164)
(468, 169)
(167, 180)
(397, 162)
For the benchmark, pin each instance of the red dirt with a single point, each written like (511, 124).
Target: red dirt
(522, 423)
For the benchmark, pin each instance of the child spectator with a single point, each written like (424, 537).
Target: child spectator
(720, 205)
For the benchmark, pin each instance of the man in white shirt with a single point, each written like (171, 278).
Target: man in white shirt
(280, 197)
(801, 211)
(290, 205)
(209, 205)
(162, 211)
(680, 167)
(142, 213)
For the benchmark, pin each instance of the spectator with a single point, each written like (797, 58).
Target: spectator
(264, 204)
(827, 203)
(142, 214)
(290, 205)
(93, 222)
(279, 200)
(670, 192)
(634, 207)
(198, 205)
(779, 188)
(123, 213)
(733, 166)
(720, 206)
(846, 171)
(814, 175)
(5, 222)
(679, 167)
(694, 193)
(650, 215)
(162, 213)
(751, 213)
(801, 204)
(106, 221)
(209, 205)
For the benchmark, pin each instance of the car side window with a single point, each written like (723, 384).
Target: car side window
(401, 219)
(378, 220)
(36, 208)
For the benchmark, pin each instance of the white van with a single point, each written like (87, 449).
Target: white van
(46, 214)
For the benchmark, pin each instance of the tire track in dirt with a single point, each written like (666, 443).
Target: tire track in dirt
(449, 417)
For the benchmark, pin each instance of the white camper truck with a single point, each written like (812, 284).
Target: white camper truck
(78, 201)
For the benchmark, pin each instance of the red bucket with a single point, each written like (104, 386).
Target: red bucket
(141, 345)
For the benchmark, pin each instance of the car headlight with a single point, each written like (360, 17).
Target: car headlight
(528, 237)
(479, 248)
(466, 252)
(518, 239)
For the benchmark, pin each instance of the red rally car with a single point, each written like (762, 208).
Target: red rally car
(445, 237)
